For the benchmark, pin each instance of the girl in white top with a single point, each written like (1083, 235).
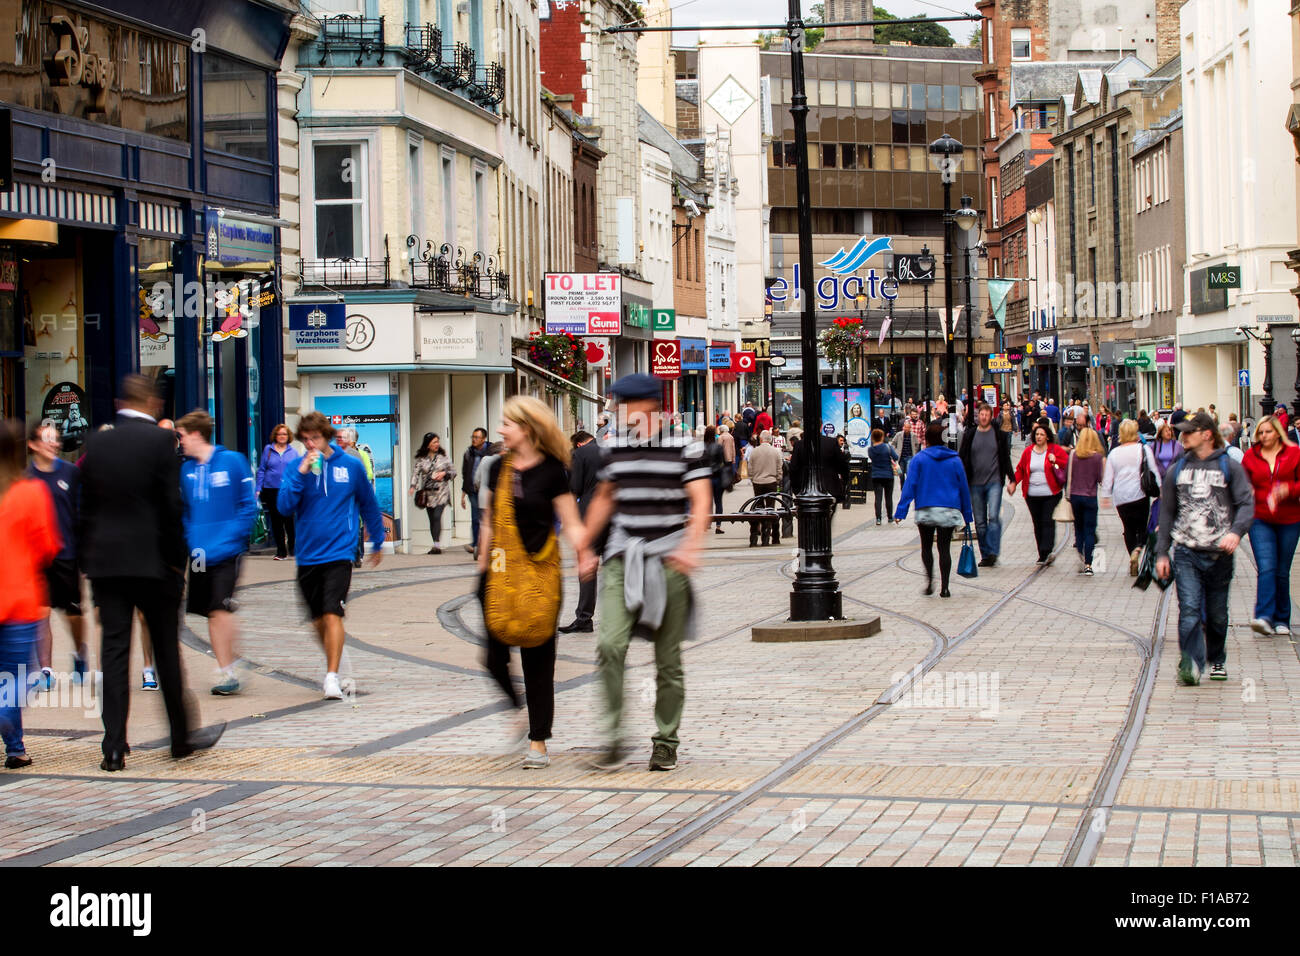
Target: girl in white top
(1122, 482)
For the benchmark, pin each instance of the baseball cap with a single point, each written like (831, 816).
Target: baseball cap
(637, 386)
(1200, 421)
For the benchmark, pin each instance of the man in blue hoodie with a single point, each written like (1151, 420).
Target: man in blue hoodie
(220, 508)
(324, 495)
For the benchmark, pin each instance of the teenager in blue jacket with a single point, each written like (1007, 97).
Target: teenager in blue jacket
(219, 511)
(936, 481)
(327, 494)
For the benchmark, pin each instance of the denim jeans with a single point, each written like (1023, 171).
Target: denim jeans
(986, 500)
(1274, 546)
(473, 520)
(1085, 524)
(1202, 578)
(17, 660)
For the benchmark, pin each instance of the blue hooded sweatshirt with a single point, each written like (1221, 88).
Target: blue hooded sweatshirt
(936, 479)
(219, 505)
(325, 508)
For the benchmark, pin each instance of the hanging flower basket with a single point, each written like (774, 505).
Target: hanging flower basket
(844, 339)
(561, 354)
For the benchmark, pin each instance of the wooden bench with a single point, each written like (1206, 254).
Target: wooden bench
(765, 515)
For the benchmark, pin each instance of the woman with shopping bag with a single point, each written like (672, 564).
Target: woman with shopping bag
(1041, 474)
(936, 481)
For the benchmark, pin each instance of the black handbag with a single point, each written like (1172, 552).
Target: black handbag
(1150, 483)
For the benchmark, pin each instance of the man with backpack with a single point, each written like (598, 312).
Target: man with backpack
(1207, 505)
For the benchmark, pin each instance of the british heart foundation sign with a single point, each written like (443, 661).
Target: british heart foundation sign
(666, 359)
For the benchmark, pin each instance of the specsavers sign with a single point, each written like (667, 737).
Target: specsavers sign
(584, 303)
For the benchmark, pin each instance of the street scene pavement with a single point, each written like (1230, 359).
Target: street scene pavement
(1032, 718)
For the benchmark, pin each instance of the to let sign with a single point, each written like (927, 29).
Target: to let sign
(584, 303)
(666, 359)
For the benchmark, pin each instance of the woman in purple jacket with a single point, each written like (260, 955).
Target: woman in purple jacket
(1084, 473)
(277, 454)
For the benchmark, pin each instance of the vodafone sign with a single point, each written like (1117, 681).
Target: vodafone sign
(666, 358)
(743, 361)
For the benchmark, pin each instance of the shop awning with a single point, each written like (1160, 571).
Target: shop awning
(550, 378)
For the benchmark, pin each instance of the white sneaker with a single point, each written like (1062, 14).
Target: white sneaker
(1261, 626)
(1282, 630)
(536, 761)
(332, 689)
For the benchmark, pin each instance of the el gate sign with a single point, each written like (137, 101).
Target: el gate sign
(584, 303)
(1224, 277)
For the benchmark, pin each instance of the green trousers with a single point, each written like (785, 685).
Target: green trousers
(616, 623)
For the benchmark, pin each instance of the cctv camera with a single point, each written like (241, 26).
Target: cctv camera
(692, 209)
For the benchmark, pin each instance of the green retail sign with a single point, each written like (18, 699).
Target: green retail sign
(638, 315)
(665, 320)
(1137, 361)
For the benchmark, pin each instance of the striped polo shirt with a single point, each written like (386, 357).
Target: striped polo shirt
(649, 481)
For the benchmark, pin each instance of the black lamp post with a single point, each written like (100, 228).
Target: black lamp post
(926, 263)
(816, 594)
(945, 154)
(967, 218)
(1264, 338)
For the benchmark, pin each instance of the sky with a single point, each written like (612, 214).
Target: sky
(693, 12)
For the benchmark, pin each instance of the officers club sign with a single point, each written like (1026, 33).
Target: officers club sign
(584, 303)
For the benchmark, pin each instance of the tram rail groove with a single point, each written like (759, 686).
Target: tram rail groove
(684, 835)
(1082, 848)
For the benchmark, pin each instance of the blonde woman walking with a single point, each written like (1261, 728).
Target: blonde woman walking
(1083, 476)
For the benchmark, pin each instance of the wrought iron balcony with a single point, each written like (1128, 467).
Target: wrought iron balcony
(450, 270)
(423, 47)
(345, 272)
(489, 86)
(346, 32)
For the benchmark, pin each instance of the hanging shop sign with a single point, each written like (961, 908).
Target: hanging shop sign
(1224, 277)
(1166, 355)
(666, 359)
(318, 325)
(231, 239)
(762, 348)
(1074, 354)
(743, 362)
(1043, 346)
(998, 362)
(695, 355)
(1015, 355)
(638, 315)
(664, 320)
(720, 357)
(596, 352)
(584, 303)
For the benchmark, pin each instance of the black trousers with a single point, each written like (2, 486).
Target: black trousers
(159, 603)
(928, 534)
(539, 681)
(435, 522)
(586, 609)
(884, 487)
(1134, 516)
(280, 524)
(1040, 509)
(717, 495)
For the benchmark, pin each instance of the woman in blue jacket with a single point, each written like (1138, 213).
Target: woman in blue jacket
(276, 456)
(936, 481)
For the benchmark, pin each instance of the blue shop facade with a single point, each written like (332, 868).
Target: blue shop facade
(139, 229)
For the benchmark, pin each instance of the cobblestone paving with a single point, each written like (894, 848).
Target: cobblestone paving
(979, 730)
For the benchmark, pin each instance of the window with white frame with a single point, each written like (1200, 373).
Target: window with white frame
(988, 40)
(332, 8)
(449, 197)
(340, 200)
(995, 218)
(993, 115)
(415, 182)
(1020, 39)
(480, 209)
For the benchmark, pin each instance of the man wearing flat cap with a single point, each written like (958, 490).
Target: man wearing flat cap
(656, 497)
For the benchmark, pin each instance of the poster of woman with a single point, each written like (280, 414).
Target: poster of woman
(857, 428)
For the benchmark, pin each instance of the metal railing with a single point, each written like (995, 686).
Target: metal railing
(346, 271)
(346, 32)
(451, 270)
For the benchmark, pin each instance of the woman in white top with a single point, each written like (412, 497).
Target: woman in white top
(1122, 482)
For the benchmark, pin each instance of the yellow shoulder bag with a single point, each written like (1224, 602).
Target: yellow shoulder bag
(521, 604)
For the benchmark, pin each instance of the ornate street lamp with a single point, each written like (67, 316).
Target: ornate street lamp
(1265, 338)
(925, 261)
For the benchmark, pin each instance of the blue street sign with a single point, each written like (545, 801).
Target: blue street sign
(1243, 378)
(1096, 361)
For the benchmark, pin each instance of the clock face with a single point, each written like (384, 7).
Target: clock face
(730, 100)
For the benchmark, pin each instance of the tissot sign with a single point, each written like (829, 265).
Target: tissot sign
(843, 285)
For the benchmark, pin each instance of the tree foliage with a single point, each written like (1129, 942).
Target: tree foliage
(812, 36)
(918, 34)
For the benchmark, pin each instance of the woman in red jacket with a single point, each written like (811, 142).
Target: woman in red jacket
(1041, 473)
(1273, 464)
(29, 542)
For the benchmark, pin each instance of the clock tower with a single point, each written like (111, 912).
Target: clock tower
(848, 39)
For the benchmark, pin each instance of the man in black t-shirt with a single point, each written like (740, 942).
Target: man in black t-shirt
(655, 495)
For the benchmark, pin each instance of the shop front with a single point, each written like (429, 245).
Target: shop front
(405, 369)
(1040, 372)
(106, 263)
(692, 387)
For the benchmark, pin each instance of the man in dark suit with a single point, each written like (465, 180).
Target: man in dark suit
(133, 550)
(586, 464)
(835, 467)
